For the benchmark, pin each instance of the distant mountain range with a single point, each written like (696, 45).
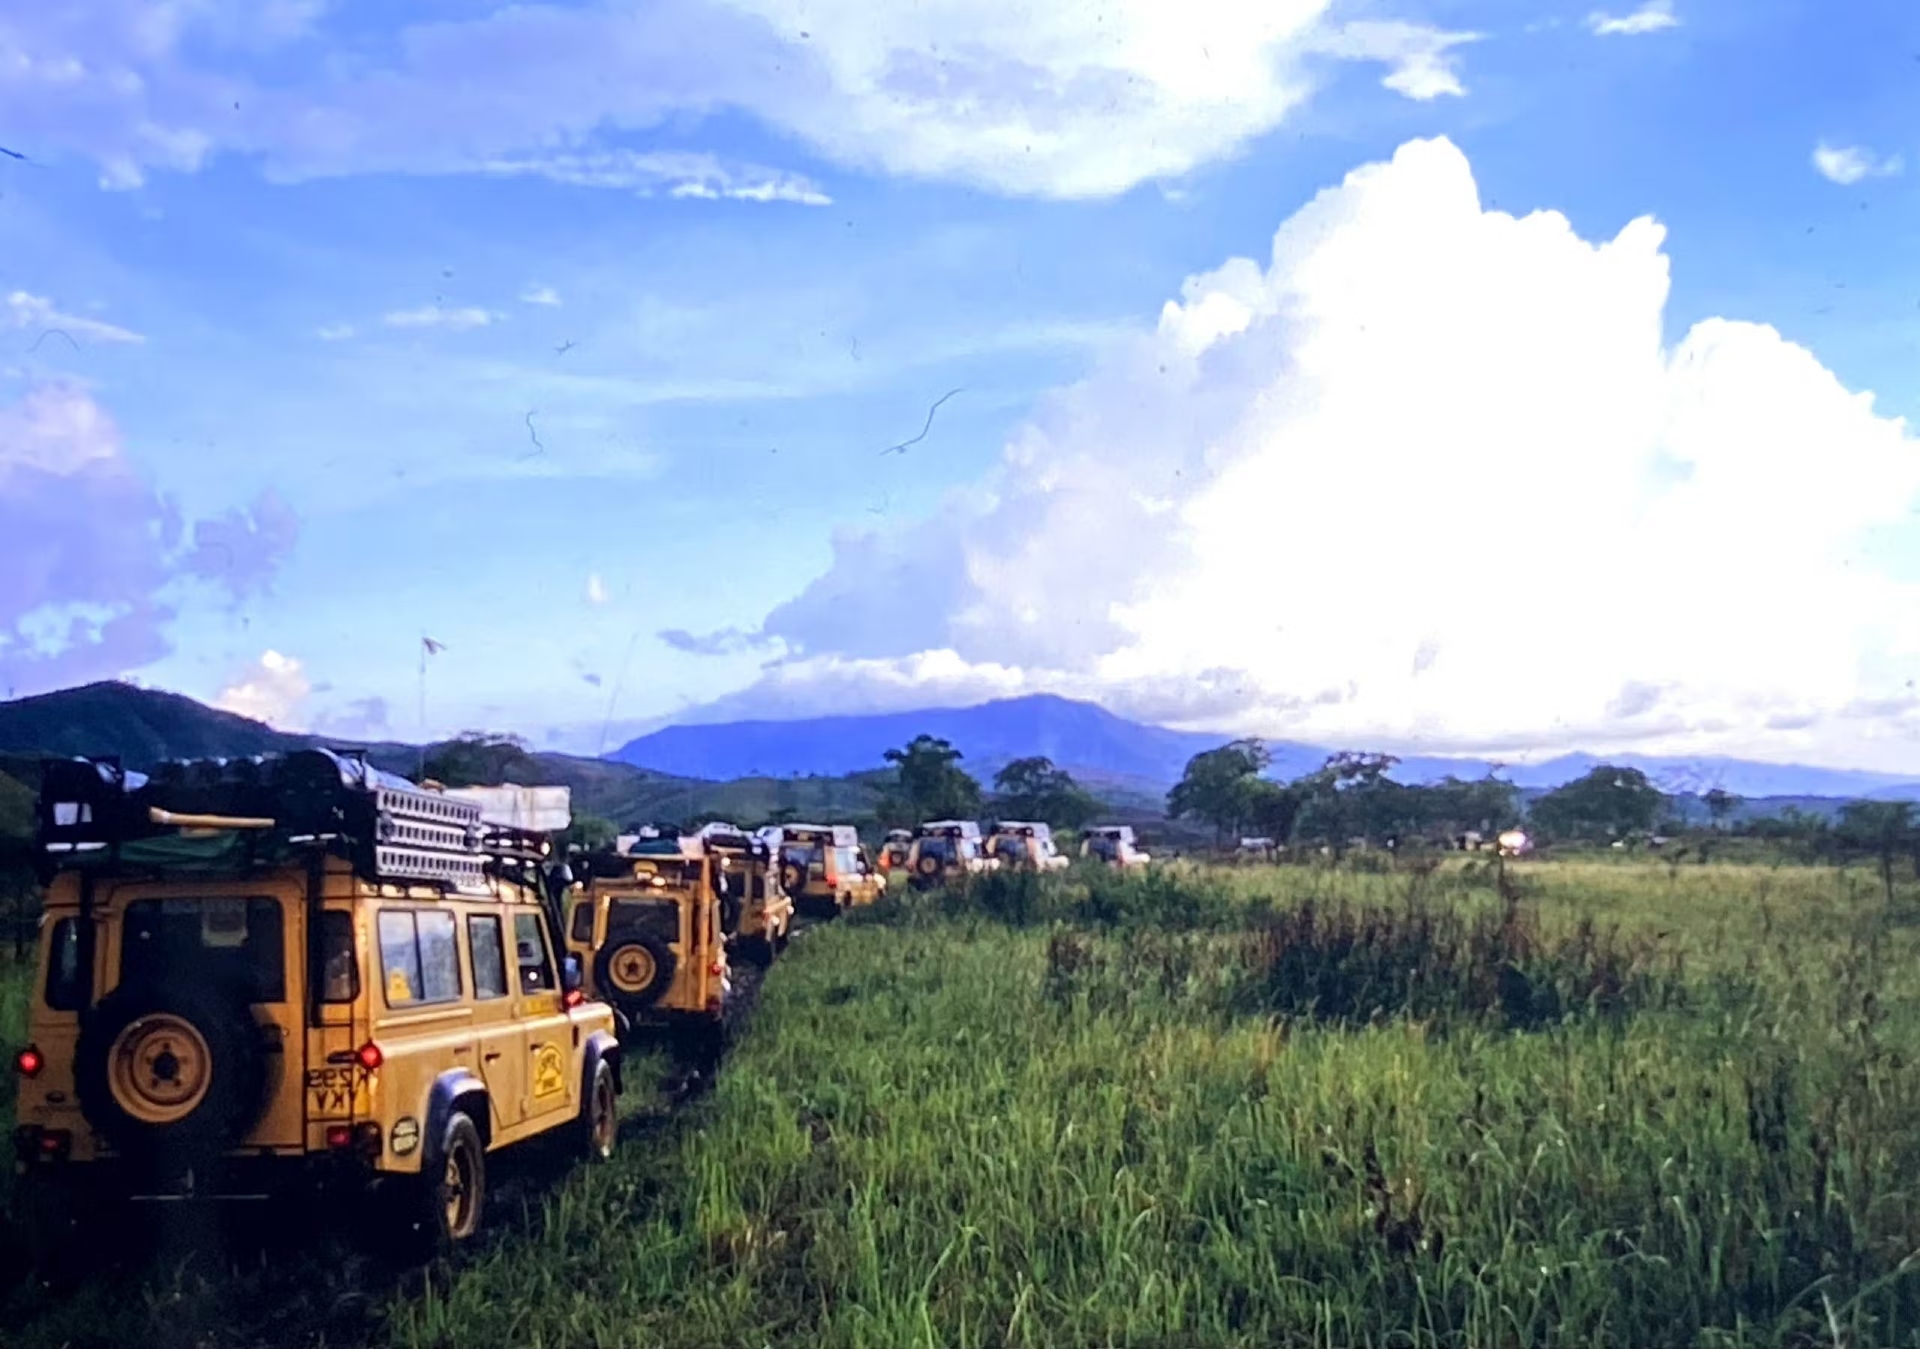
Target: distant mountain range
(145, 727)
(828, 765)
(1106, 750)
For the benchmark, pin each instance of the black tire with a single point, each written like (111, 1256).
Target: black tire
(450, 1196)
(607, 964)
(159, 1034)
(598, 1129)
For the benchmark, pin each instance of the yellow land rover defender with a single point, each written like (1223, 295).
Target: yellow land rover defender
(893, 852)
(261, 974)
(755, 904)
(1112, 845)
(824, 867)
(946, 850)
(645, 921)
(1020, 845)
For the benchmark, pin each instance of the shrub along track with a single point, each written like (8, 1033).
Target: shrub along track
(254, 1276)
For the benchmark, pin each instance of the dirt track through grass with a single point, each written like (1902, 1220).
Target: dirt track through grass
(1060, 1118)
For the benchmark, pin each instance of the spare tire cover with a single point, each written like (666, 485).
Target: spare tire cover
(171, 1074)
(634, 968)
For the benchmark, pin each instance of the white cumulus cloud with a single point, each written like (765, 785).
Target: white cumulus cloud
(540, 295)
(25, 310)
(1428, 474)
(1070, 99)
(273, 689)
(1420, 62)
(434, 316)
(1849, 164)
(596, 589)
(1652, 17)
(334, 332)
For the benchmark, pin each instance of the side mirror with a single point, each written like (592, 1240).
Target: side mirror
(570, 974)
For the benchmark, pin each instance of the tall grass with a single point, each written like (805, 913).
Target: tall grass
(1271, 1107)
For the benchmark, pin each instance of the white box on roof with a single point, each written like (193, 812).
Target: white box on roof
(537, 810)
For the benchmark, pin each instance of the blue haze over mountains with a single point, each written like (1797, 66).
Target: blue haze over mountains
(1104, 749)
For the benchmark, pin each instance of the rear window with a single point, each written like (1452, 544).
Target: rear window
(941, 848)
(339, 966)
(583, 922)
(66, 981)
(229, 943)
(419, 957)
(1012, 846)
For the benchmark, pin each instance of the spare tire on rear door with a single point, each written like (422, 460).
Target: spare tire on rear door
(171, 1075)
(634, 968)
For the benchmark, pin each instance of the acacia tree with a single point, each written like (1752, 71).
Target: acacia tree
(1349, 796)
(1879, 829)
(1034, 789)
(930, 784)
(1605, 804)
(1219, 785)
(1720, 803)
(480, 759)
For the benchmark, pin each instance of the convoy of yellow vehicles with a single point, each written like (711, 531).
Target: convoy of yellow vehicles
(300, 972)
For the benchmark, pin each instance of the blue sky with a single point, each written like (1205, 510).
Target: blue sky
(545, 331)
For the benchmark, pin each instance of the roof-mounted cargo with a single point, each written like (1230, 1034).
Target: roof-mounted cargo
(1023, 828)
(91, 812)
(949, 829)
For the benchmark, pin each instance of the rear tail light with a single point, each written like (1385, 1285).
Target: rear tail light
(573, 997)
(31, 1143)
(716, 969)
(28, 1062)
(339, 1135)
(368, 1056)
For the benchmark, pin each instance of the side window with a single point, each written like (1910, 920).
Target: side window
(583, 922)
(530, 950)
(399, 957)
(339, 964)
(439, 957)
(66, 981)
(489, 960)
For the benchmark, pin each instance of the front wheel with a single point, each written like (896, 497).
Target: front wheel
(599, 1127)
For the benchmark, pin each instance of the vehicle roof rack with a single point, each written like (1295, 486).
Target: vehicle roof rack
(392, 829)
(720, 834)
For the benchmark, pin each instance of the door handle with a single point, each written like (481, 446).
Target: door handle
(489, 1058)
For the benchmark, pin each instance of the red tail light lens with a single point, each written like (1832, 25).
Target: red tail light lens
(574, 997)
(339, 1135)
(716, 969)
(368, 1056)
(28, 1062)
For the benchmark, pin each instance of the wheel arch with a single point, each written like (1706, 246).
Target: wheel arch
(457, 1089)
(602, 1047)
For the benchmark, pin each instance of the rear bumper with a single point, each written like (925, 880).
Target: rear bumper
(226, 1179)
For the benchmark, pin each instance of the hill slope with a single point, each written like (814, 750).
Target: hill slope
(145, 727)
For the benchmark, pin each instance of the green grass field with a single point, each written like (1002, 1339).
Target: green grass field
(1264, 1106)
